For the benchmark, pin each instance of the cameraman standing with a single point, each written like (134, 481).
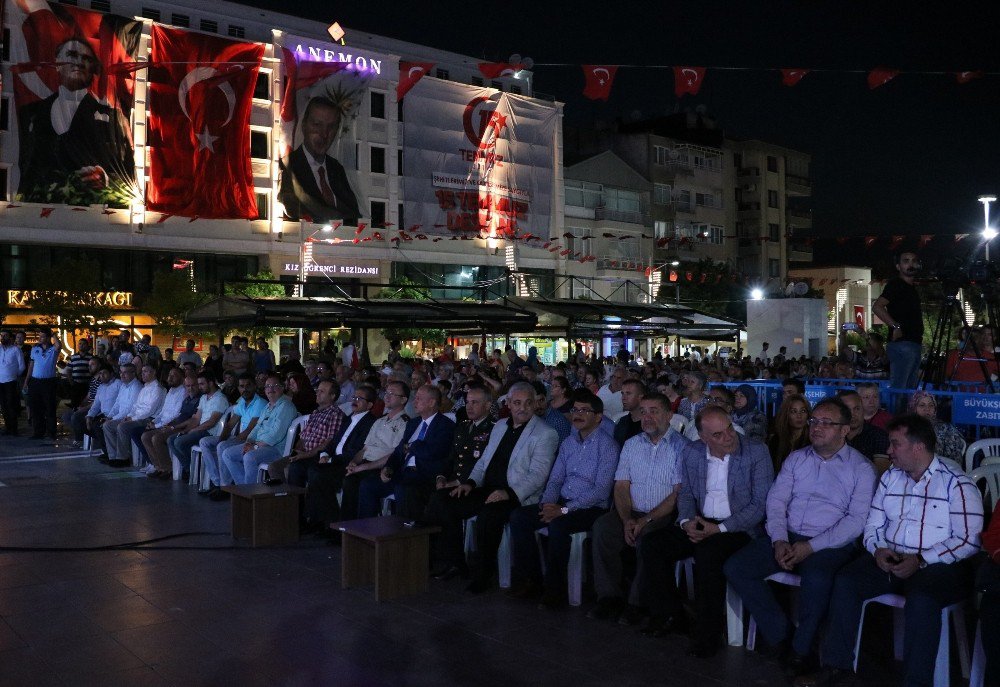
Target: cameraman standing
(899, 308)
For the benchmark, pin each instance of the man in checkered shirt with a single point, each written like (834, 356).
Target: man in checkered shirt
(922, 532)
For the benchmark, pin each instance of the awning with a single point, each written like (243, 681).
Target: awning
(601, 318)
(456, 316)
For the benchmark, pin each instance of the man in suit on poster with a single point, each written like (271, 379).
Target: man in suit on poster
(314, 184)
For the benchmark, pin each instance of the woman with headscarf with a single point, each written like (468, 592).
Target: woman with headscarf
(950, 443)
(747, 415)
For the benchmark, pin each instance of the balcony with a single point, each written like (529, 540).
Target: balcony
(748, 211)
(748, 172)
(629, 216)
(799, 219)
(800, 252)
(620, 262)
(798, 186)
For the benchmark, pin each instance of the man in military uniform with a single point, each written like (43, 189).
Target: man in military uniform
(471, 437)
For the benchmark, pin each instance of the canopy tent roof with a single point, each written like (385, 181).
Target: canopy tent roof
(593, 318)
(457, 316)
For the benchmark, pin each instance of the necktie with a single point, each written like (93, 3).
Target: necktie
(423, 431)
(324, 188)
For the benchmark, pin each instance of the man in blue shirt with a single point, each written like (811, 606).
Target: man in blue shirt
(550, 416)
(576, 494)
(41, 386)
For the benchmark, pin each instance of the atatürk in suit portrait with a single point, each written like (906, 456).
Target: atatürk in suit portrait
(71, 140)
(314, 184)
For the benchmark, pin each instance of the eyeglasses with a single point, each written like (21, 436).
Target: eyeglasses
(392, 393)
(269, 387)
(581, 411)
(822, 422)
(361, 398)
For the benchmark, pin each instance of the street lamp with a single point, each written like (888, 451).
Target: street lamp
(757, 294)
(989, 233)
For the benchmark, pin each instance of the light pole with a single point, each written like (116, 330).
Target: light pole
(989, 233)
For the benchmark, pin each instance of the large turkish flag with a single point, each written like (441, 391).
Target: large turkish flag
(201, 88)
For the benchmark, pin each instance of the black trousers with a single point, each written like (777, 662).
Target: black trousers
(42, 403)
(10, 404)
(988, 581)
(325, 480)
(448, 512)
(658, 553)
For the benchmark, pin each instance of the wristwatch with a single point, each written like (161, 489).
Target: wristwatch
(564, 510)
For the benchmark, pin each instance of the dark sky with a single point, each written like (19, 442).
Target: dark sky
(908, 158)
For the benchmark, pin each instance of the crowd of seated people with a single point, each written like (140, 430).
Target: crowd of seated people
(670, 460)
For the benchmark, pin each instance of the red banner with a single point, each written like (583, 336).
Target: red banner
(201, 89)
(688, 80)
(598, 80)
(409, 74)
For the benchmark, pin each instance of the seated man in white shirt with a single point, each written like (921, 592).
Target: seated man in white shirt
(118, 433)
(169, 409)
(119, 411)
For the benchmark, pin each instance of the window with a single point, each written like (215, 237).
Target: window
(737, 160)
(262, 89)
(772, 199)
(707, 200)
(180, 20)
(5, 55)
(441, 73)
(150, 13)
(516, 90)
(715, 234)
(378, 213)
(68, 2)
(773, 267)
(399, 162)
(773, 232)
(772, 163)
(660, 155)
(4, 194)
(237, 31)
(661, 194)
(399, 110)
(399, 216)
(378, 160)
(99, 5)
(662, 229)
(262, 204)
(209, 26)
(478, 81)
(259, 146)
(377, 105)
(583, 194)
(4, 114)
(683, 200)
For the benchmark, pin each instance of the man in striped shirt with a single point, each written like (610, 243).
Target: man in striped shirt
(922, 532)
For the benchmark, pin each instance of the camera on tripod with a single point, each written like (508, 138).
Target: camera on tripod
(955, 273)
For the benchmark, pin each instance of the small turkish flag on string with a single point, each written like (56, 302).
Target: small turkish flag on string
(924, 240)
(599, 78)
(959, 237)
(45, 212)
(880, 77)
(690, 276)
(688, 80)
(494, 70)
(409, 74)
(870, 241)
(896, 242)
(790, 77)
(966, 77)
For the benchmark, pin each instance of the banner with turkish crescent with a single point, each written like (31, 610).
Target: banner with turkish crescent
(859, 316)
(688, 80)
(598, 80)
(73, 79)
(200, 97)
(478, 161)
(409, 74)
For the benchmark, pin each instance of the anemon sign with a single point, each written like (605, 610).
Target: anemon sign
(111, 299)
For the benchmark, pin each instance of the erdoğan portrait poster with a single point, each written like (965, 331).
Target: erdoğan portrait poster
(477, 160)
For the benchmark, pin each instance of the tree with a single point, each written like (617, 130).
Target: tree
(403, 288)
(252, 288)
(68, 293)
(171, 298)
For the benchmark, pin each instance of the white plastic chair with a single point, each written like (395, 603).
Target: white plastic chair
(989, 447)
(503, 559)
(575, 568)
(786, 578)
(989, 472)
(954, 614)
(290, 438)
(197, 474)
(685, 567)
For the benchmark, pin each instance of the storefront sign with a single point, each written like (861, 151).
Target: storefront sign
(341, 269)
(110, 299)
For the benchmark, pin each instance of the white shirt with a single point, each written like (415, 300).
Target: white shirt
(316, 165)
(716, 504)
(64, 108)
(11, 363)
(105, 398)
(355, 419)
(411, 461)
(148, 401)
(171, 407)
(126, 399)
(612, 401)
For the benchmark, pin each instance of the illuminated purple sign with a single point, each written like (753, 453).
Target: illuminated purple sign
(321, 53)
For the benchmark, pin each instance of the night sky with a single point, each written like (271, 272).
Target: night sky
(908, 158)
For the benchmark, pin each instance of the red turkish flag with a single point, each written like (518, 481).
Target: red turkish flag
(897, 241)
(880, 77)
(688, 80)
(924, 240)
(409, 74)
(870, 241)
(599, 78)
(966, 77)
(790, 77)
(199, 125)
(494, 70)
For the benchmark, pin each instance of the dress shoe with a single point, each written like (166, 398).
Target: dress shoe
(553, 601)
(607, 608)
(451, 572)
(524, 590)
(207, 492)
(103, 458)
(631, 616)
(796, 665)
(663, 625)
(827, 677)
(479, 585)
(165, 475)
(155, 474)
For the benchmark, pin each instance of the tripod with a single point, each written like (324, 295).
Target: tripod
(937, 371)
